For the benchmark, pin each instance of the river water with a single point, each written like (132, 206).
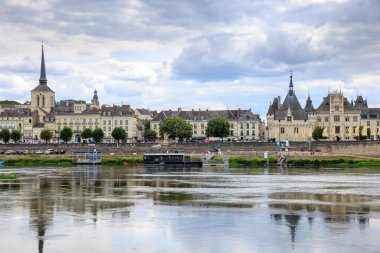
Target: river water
(120, 209)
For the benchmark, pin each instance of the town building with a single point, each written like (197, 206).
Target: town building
(244, 124)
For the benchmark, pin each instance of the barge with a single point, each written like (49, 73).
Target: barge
(170, 160)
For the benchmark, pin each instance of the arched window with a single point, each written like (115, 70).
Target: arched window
(43, 101)
(38, 100)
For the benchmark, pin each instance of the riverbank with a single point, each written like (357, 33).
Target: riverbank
(234, 161)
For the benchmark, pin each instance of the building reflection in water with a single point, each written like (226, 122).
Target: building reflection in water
(332, 208)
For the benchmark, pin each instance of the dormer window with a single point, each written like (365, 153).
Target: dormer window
(289, 118)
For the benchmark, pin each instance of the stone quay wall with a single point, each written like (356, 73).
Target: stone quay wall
(366, 148)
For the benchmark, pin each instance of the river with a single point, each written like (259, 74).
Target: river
(121, 209)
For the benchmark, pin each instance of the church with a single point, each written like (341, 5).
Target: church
(44, 112)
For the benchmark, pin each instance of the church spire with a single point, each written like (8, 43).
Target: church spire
(291, 84)
(43, 79)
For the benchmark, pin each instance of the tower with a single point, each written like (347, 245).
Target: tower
(42, 97)
(95, 100)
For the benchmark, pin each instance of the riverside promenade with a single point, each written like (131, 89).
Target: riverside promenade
(362, 149)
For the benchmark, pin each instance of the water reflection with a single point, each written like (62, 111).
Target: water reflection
(183, 208)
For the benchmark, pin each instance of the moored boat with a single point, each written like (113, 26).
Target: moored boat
(170, 160)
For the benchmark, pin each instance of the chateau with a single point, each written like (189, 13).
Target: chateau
(340, 119)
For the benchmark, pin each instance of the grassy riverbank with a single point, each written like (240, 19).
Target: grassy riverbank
(30, 161)
(7, 176)
(312, 163)
(122, 160)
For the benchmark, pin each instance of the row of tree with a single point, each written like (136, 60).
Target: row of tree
(179, 128)
(6, 135)
(97, 134)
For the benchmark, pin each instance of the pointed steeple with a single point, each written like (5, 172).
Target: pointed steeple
(43, 79)
(291, 84)
(309, 105)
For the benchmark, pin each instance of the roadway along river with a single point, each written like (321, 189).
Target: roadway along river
(120, 209)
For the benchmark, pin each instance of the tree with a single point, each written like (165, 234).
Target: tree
(147, 125)
(368, 132)
(118, 133)
(98, 135)
(150, 134)
(318, 133)
(176, 128)
(218, 127)
(66, 134)
(86, 133)
(5, 135)
(46, 135)
(16, 135)
(361, 137)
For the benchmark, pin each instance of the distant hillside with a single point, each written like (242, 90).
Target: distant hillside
(9, 102)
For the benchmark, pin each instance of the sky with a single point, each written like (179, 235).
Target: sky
(195, 54)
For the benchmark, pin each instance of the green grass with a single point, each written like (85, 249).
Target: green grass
(121, 160)
(310, 163)
(37, 161)
(3, 176)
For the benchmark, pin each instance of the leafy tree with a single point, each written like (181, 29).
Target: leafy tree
(147, 125)
(368, 132)
(176, 128)
(118, 133)
(150, 134)
(361, 137)
(5, 135)
(218, 127)
(46, 135)
(318, 133)
(66, 134)
(97, 135)
(16, 135)
(86, 133)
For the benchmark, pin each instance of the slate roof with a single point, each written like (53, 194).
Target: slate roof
(325, 105)
(123, 110)
(143, 111)
(309, 105)
(19, 112)
(42, 87)
(207, 114)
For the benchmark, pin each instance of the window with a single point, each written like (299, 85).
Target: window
(282, 130)
(247, 132)
(203, 132)
(354, 129)
(253, 125)
(232, 132)
(241, 133)
(202, 126)
(378, 123)
(336, 118)
(104, 128)
(289, 118)
(104, 122)
(253, 132)
(326, 119)
(318, 119)
(368, 123)
(296, 130)
(337, 129)
(115, 122)
(347, 119)
(109, 128)
(59, 128)
(30, 120)
(195, 131)
(241, 125)
(126, 128)
(248, 125)
(121, 122)
(347, 130)
(126, 122)
(336, 108)
(109, 122)
(78, 128)
(155, 126)
(355, 118)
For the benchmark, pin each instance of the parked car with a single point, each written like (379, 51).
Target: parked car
(9, 152)
(49, 151)
(38, 152)
(19, 152)
(156, 146)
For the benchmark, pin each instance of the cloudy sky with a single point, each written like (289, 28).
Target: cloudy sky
(191, 54)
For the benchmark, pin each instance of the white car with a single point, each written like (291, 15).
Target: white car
(156, 146)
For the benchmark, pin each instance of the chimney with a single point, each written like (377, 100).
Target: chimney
(279, 102)
(179, 110)
(238, 113)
